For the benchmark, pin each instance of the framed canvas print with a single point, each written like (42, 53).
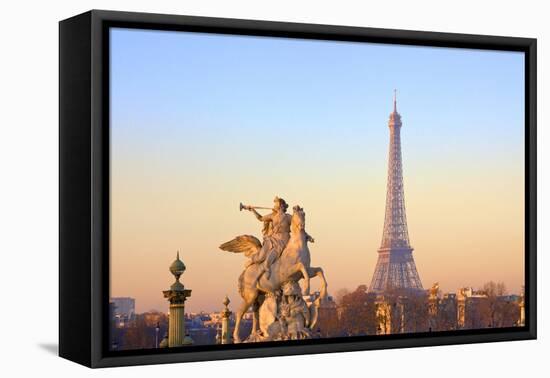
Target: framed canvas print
(235, 188)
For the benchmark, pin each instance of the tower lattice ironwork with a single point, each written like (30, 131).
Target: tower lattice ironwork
(395, 268)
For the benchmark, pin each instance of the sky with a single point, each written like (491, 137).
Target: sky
(201, 122)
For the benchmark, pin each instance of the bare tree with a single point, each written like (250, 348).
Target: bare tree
(494, 307)
(142, 332)
(340, 294)
(358, 313)
(416, 315)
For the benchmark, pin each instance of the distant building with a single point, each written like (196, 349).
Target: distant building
(471, 308)
(123, 311)
(112, 322)
(124, 307)
(112, 308)
(447, 313)
(327, 315)
(392, 314)
(215, 320)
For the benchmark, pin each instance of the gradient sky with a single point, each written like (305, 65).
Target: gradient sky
(201, 122)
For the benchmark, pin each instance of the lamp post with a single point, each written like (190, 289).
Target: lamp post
(226, 334)
(157, 329)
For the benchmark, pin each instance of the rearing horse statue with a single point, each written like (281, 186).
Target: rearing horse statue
(292, 265)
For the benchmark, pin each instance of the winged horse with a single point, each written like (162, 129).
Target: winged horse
(292, 265)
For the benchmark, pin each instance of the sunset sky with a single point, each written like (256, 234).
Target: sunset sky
(201, 122)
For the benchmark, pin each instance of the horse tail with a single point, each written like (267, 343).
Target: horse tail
(241, 283)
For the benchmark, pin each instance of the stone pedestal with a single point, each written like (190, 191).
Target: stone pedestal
(176, 321)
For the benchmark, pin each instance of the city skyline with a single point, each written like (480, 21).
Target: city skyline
(186, 149)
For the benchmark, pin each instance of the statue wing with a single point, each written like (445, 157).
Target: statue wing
(244, 243)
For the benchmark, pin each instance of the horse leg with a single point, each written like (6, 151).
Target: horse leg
(239, 315)
(318, 272)
(301, 268)
(255, 316)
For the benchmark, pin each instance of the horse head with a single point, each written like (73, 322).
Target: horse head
(298, 222)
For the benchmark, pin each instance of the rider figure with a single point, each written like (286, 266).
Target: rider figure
(276, 234)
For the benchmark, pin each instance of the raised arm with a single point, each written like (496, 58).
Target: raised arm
(260, 217)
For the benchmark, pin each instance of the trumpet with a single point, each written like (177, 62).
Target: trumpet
(247, 207)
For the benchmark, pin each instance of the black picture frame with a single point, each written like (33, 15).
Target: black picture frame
(84, 186)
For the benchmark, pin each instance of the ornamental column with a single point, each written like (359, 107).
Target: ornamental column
(177, 296)
(226, 314)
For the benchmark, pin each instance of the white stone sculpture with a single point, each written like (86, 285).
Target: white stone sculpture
(269, 282)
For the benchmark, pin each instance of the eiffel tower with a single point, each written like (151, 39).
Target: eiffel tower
(395, 268)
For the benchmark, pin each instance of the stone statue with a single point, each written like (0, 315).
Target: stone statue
(286, 316)
(282, 259)
(434, 291)
(276, 234)
(300, 319)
